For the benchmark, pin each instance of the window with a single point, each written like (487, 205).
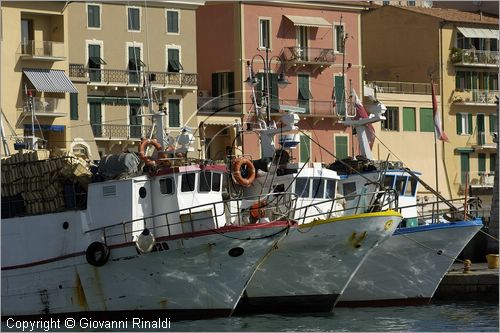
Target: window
(464, 167)
(318, 188)
(264, 33)
(134, 63)
(273, 89)
(409, 122)
(134, 19)
(339, 38)
(400, 184)
(304, 94)
(135, 120)
(305, 149)
(339, 89)
(481, 163)
(410, 3)
(349, 190)
(174, 63)
(302, 33)
(341, 147)
(330, 189)
(385, 3)
(205, 181)
(279, 188)
(493, 123)
(426, 120)
(95, 62)
(174, 117)
(216, 177)
(302, 187)
(173, 21)
(222, 84)
(167, 186)
(73, 106)
(391, 122)
(96, 119)
(388, 181)
(464, 123)
(93, 16)
(411, 187)
(493, 158)
(187, 182)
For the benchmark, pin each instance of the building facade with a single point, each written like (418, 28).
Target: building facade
(303, 41)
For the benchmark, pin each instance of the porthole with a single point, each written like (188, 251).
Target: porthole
(236, 252)
(142, 192)
(65, 225)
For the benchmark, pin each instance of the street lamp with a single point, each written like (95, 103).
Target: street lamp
(253, 81)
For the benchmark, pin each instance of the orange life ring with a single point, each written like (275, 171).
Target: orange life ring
(257, 210)
(237, 177)
(142, 149)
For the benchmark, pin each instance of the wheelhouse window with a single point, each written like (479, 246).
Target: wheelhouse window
(330, 189)
(187, 182)
(400, 184)
(388, 181)
(216, 180)
(349, 190)
(318, 188)
(205, 181)
(302, 187)
(411, 187)
(279, 188)
(167, 186)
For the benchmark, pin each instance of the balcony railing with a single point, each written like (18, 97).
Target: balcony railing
(111, 131)
(128, 77)
(308, 56)
(402, 87)
(475, 96)
(475, 178)
(474, 57)
(46, 106)
(312, 106)
(41, 49)
(219, 105)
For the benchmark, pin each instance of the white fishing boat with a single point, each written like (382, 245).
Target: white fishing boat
(142, 243)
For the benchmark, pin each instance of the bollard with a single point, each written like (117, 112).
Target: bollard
(467, 265)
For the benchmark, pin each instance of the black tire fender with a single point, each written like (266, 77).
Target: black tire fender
(97, 254)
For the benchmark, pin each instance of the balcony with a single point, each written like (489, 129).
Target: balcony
(470, 57)
(41, 50)
(481, 140)
(222, 106)
(481, 179)
(474, 97)
(116, 77)
(394, 87)
(45, 107)
(315, 59)
(312, 107)
(120, 132)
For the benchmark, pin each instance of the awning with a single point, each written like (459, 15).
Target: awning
(174, 65)
(52, 128)
(478, 32)
(97, 60)
(50, 80)
(308, 21)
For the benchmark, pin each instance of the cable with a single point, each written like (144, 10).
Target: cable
(487, 234)
(438, 252)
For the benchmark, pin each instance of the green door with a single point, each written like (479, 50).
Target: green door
(340, 95)
(95, 62)
(464, 167)
(134, 66)
(481, 135)
(135, 121)
(305, 148)
(96, 119)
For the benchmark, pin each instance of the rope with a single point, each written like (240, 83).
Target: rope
(487, 234)
(438, 252)
(250, 238)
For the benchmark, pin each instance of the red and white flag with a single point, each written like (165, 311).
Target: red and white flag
(440, 134)
(361, 113)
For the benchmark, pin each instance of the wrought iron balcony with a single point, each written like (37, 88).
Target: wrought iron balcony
(219, 106)
(41, 50)
(395, 87)
(475, 178)
(45, 107)
(471, 57)
(315, 58)
(474, 97)
(120, 132)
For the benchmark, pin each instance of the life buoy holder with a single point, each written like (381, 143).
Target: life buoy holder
(97, 254)
(142, 151)
(257, 210)
(250, 171)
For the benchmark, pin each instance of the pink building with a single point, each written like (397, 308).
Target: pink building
(308, 40)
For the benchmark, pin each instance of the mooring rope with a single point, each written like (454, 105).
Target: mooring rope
(438, 252)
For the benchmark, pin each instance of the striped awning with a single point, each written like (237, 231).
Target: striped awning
(308, 21)
(50, 80)
(478, 32)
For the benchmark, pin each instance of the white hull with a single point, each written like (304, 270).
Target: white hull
(408, 267)
(189, 273)
(313, 265)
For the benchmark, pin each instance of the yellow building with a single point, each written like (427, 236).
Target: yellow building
(99, 55)
(460, 51)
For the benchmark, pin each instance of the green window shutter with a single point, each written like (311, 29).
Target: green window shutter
(134, 55)
(469, 129)
(174, 64)
(464, 166)
(493, 123)
(341, 147)
(492, 162)
(96, 119)
(481, 162)
(409, 123)
(459, 123)
(134, 22)
(303, 93)
(73, 106)
(426, 120)
(305, 148)
(215, 84)
(230, 84)
(274, 91)
(174, 113)
(340, 95)
(172, 21)
(93, 16)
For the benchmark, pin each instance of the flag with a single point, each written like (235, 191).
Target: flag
(361, 113)
(440, 134)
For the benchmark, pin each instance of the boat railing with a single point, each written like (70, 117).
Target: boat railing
(205, 217)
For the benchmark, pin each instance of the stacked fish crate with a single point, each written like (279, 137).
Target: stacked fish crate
(35, 183)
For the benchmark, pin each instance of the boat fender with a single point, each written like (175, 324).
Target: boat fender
(250, 171)
(97, 254)
(145, 241)
(258, 209)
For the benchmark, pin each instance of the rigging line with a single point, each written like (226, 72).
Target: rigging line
(487, 234)
(432, 249)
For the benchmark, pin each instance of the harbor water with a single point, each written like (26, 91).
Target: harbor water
(436, 317)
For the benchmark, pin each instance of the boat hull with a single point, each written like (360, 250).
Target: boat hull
(408, 267)
(190, 275)
(312, 266)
